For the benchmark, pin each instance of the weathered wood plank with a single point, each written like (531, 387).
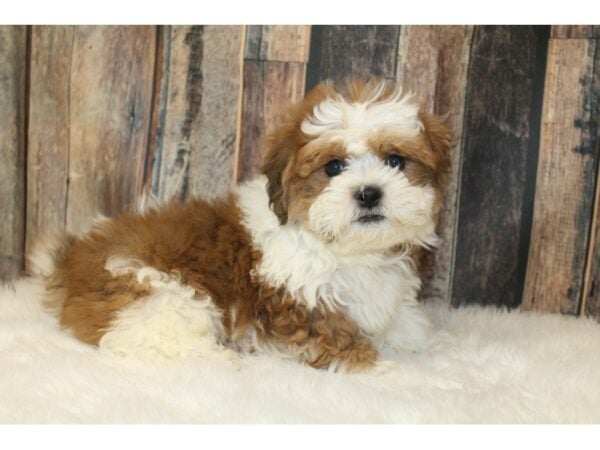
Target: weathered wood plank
(289, 43)
(13, 53)
(200, 109)
(566, 177)
(500, 148)
(575, 31)
(110, 95)
(48, 134)
(150, 181)
(340, 51)
(590, 304)
(253, 119)
(433, 63)
(252, 44)
(271, 85)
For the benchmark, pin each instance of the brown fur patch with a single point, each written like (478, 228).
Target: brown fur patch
(322, 337)
(210, 251)
(305, 178)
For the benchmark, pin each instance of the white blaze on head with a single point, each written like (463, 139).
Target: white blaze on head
(353, 122)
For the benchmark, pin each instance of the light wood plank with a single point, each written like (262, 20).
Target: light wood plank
(565, 179)
(289, 43)
(213, 168)
(12, 149)
(197, 150)
(48, 152)
(575, 31)
(433, 63)
(110, 94)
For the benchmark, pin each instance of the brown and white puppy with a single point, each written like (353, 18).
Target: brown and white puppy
(315, 258)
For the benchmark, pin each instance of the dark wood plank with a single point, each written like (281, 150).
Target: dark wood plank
(110, 97)
(150, 181)
(48, 134)
(590, 305)
(341, 51)
(433, 63)
(200, 110)
(575, 31)
(253, 119)
(271, 84)
(252, 43)
(270, 88)
(501, 136)
(13, 55)
(566, 178)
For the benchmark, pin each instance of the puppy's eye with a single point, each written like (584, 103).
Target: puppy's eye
(395, 161)
(334, 167)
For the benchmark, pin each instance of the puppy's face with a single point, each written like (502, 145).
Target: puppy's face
(360, 168)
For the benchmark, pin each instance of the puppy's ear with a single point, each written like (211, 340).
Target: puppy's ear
(441, 140)
(279, 148)
(282, 145)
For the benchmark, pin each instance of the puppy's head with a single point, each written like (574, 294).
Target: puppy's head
(359, 166)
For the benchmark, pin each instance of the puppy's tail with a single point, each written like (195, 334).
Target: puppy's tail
(48, 253)
(46, 260)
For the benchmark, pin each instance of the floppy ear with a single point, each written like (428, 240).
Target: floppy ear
(279, 148)
(441, 140)
(282, 145)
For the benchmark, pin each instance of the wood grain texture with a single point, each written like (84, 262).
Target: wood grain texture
(289, 43)
(575, 31)
(270, 87)
(499, 159)
(433, 63)
(590, 304)
(200, 110)
(341, 51)
(566, 179)
(48, 134)
(252, 42)
(13, 54)
(110, 93)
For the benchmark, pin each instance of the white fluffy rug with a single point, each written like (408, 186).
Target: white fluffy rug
(485, 366)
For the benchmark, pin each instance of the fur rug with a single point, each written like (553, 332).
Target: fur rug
(484, 365)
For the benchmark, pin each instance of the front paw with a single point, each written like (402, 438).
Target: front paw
(360, 356)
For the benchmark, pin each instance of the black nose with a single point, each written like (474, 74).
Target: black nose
(368, 196)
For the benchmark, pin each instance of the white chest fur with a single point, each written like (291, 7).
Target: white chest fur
(371, 287)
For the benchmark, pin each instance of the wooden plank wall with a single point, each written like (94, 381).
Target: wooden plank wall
(92, 116)
(274, 75)
(13, 90)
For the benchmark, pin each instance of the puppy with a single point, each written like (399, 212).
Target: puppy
(316, 258)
